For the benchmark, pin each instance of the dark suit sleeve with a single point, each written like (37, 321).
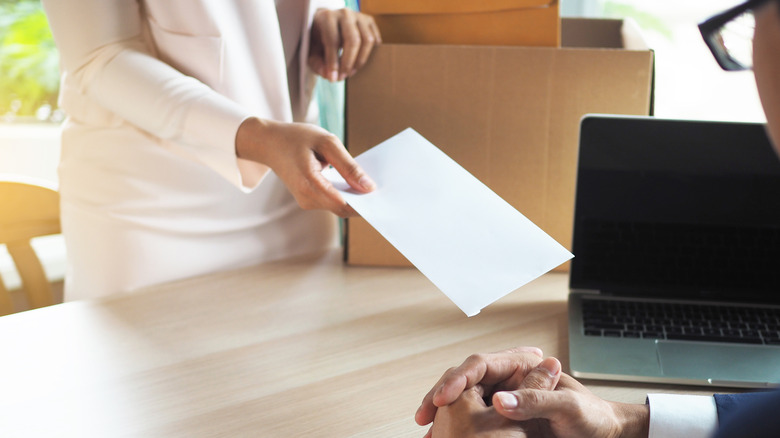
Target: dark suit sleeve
(749, 415)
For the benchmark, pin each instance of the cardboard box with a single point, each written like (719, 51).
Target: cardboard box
(509, 115)
(497, 22)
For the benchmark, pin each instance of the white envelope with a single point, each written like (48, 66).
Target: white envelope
(468, 241)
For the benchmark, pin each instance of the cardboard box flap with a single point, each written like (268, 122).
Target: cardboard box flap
(602, 33)
(591, 33)
(397, 7)
(510, 115)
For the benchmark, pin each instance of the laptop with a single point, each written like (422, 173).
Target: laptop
(676, 275)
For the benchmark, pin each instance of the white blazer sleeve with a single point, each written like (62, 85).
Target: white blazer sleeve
(684, 416)
(106, 61)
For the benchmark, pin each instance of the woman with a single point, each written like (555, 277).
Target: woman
(189, 136)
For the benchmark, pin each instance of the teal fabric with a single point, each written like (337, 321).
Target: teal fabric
(330, 98)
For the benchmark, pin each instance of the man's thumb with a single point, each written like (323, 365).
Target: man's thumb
(544, 376)
(534, 391)
(525, 404)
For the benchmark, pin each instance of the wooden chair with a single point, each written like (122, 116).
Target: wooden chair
(28, 208)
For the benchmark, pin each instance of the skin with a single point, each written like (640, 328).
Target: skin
(341, 42)
(357, 37)
(494, 372)
(533, 410)
(455, 404)
(298, 152)
(766, 66)
(469, 415)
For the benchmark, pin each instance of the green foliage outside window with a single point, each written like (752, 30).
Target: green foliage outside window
(29, 70)
(646, 21)
(29, 73)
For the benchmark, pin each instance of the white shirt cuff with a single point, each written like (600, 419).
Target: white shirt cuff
(688, 416)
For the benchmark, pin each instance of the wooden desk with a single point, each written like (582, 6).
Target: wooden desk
(291, 349)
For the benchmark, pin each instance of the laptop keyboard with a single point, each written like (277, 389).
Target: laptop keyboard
(687, 322)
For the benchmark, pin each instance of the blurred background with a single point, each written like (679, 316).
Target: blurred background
(689, 84)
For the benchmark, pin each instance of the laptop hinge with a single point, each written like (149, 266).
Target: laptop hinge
(587, 291)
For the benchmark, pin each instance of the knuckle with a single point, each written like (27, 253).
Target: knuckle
(366, 36)
(322, 146)
(536, 380)
(354, 170)
(333, 139)
(577, 405)
(351, 37)
(528, 398)
(474, 392)
(328, 140)
(477, 358)
(305, 203)
(450, 375)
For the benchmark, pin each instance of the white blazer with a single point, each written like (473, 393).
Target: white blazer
(155, 90)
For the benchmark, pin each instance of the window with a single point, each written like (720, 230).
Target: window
(29, 83)
(29, 75)
(689, 83)
(29, 117)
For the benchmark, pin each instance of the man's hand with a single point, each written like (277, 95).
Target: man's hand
(297, 153)
(573, 411)
(470, 416)
(504, 370)
(520, 386)
(351, 33)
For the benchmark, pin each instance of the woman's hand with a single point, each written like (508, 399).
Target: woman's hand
(297, 153)
(352, 33)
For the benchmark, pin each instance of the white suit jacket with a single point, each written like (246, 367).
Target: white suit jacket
(155, 91)
(119, 47)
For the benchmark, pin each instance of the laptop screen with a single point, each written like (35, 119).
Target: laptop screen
(677, 209)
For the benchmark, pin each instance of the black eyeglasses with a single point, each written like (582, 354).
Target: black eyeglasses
(729, 35)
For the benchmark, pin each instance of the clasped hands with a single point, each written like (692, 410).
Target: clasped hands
(517, 393)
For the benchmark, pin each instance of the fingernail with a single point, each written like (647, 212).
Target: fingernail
(334, 76)
(551, 366)
(508, 401)
(367, 183)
